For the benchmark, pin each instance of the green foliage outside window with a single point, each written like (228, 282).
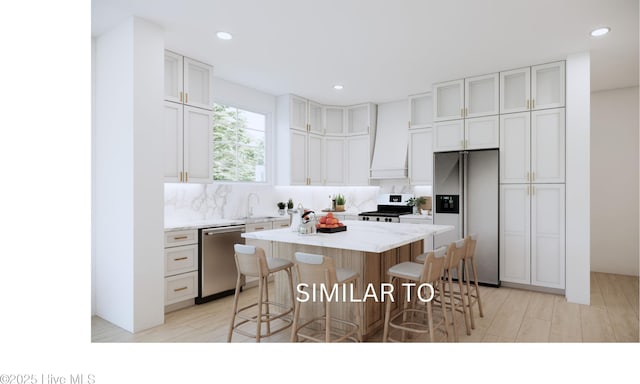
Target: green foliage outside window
(238, 144)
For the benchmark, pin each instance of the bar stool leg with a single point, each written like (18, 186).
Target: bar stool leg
(387, 316)
(235, 308)
(293, 299)
(358, 314)
(327, 321)
(259, 319)
(444, 311)
(266, 302)
(466, 277)
(294, 326)
(452, 305)
(475, 281)
(464, 305)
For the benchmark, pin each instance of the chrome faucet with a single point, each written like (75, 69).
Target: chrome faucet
(249, 207)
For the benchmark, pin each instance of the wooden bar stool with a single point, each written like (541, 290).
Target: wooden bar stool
(456, 297)
(473, 291)
(314, 271)
(252, 262)
(428, 272)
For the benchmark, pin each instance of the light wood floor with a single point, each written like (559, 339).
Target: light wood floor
(510, 315)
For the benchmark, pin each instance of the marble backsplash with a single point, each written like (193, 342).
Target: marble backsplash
(195, 202)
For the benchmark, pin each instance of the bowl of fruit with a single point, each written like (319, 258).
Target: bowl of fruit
(330, 224)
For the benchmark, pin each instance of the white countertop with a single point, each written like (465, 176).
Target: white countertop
(424, 216)
(360, 236)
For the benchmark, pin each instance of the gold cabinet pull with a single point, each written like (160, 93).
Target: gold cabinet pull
(259, 228)
(409, 123)
(181, 177)
(533, 103)
(528, 176)
(180, 258)
(180, 238)
(186, 177)
(179, 289)
(181, 97)
(186, 98)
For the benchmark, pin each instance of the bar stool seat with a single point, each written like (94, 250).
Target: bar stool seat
(252, 262)
(428, 272)
(313, 271)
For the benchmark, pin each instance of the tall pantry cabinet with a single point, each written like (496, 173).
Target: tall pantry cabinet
(532, 176)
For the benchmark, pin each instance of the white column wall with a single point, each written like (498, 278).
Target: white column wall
(578, 178)
(127, 182)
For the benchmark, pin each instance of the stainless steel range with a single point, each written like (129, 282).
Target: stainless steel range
(390, 207)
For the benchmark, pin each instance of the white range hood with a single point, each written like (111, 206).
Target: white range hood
(391, 144)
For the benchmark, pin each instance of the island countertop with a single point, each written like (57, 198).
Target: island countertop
(359, 236)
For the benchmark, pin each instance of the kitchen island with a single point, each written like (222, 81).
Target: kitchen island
(366, 247)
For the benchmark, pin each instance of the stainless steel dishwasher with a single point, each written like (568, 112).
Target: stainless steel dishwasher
(217, 273)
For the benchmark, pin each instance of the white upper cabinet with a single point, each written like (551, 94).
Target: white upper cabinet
(334, 161)
(334, 120)
(481, 96)
(315, 155)
(448, 100)
(548, 146)
(448, 136)
(298, 163)
(173, 89)
(358, 160)
(482, 132)
(515, 148)
(421, 156)
(547, 85)
(359, 118)
(298, 111)
(315, 113)
(533, 88)
(188, 81)
(420, 110)
(515, 90)
(188, 153)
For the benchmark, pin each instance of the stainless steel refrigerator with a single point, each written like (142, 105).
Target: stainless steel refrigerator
(466, 195)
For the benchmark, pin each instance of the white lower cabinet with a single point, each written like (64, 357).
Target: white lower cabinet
(532, 234)
(180, 265)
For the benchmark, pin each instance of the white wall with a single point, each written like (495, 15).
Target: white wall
(577, 178)
(614, 181)
(127, 181)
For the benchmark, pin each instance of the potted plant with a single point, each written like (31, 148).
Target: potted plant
(290, 204)
(416, 203)
(340, 200)
(281, 207)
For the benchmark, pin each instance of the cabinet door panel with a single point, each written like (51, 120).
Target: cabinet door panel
(358, 119)
(315, 118)
(420, 110)
(334, 120)
(198, 84)
(481, 95)
(515, 214)
(298, 157)
(547, 85)
(547, 235)
(421, 156)
(298, 118)
(359, 160)
(515, 90)
(448, 136)
(515, 148)
(548, 146)
(448, 99)
(172, 142)
(482, 132)
(314, 159)
(334, 160)
(198, 145)
(172, 76)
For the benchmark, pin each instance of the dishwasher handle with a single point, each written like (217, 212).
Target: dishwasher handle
(215, 231)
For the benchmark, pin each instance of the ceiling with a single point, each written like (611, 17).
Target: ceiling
(383, 50)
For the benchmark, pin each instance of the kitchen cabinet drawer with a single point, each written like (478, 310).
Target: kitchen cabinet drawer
(180, 287)
(183, 237)
(255, 227)
(180, 259)
(281, 224)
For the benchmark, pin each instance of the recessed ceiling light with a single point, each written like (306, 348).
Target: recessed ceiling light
(224, 35)
(338, 87)
(600, 31)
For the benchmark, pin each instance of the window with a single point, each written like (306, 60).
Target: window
(238, 144)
